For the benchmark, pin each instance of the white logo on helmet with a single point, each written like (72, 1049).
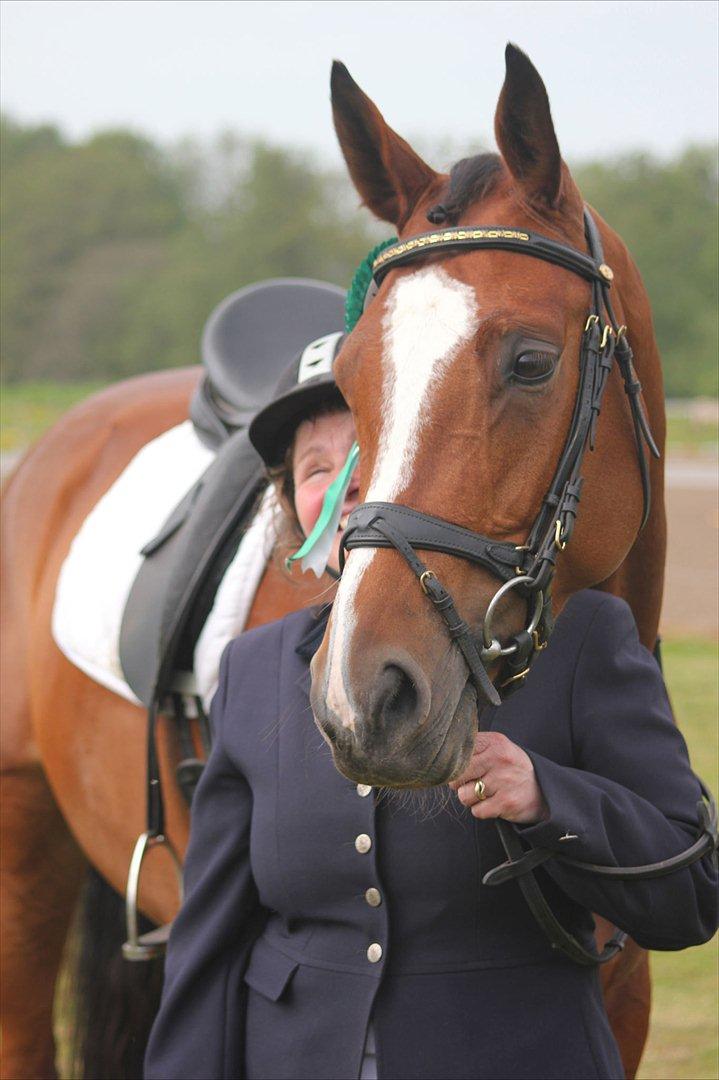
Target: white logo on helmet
(317, 357)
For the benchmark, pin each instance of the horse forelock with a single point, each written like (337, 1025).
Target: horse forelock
(470, 180)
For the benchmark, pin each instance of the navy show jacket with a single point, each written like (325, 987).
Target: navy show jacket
(280, 955)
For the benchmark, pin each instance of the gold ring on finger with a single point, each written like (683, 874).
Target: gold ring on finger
(480, 790)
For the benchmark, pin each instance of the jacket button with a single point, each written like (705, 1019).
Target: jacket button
(363, 843)
(373, 897)
(363, 790)
(374, 953)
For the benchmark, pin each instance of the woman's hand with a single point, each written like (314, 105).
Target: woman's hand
(510, 788)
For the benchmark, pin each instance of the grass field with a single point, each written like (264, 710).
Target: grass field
(27, 409)
(683, 1040)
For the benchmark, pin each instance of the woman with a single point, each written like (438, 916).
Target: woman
(328, 932)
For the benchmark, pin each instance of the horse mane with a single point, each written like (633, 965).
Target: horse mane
(470, 179)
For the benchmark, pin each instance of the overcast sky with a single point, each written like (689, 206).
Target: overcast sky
(620, 75)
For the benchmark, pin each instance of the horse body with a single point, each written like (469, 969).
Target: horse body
(74, 753)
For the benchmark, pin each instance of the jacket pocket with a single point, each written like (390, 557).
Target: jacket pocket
(269, 971)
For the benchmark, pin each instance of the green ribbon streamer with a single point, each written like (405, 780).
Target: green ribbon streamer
(317, 548)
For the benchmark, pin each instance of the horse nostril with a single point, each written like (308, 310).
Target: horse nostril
(396, 698)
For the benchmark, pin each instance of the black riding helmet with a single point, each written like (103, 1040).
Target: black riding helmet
(305, 385)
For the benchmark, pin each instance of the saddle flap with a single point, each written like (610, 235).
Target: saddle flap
(168, 590)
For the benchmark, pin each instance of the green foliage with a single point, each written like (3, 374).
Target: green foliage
(78, 221)
(116, 250)
(666, 212)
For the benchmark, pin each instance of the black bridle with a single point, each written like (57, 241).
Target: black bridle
(530, 567)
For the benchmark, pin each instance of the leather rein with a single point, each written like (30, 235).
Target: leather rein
(530, 567)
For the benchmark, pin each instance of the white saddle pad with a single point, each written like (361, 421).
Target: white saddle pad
(104, 558)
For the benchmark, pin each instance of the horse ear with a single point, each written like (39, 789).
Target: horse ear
(386, 171)
(525, 132)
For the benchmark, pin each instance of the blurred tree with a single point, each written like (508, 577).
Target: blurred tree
(115, 251)
(75, 219)
(280, 216)
(666, 212)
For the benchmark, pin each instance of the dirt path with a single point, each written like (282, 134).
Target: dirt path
(692, 582)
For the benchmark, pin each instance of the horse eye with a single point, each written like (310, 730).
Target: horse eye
(533, 366)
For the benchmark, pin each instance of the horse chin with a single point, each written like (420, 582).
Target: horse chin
(420, 761)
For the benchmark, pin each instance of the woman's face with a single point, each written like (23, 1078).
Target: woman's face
(321, 449)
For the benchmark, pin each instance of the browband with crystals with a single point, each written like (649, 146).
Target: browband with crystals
(493, 237)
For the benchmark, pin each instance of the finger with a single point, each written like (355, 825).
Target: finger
(488, 808)
(501, 805)
(468, 794)
(491, 748)
(478, 765)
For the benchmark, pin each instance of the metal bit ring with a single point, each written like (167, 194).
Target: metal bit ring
(492, 647)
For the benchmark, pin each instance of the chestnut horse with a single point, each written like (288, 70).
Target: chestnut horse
(74, 753)
(462, 375)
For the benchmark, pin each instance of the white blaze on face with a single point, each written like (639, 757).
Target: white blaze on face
(429, 316)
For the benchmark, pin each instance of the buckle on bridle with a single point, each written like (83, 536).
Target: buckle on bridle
(558, 542)
(424, 578)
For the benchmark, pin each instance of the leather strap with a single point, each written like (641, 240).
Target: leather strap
(441, 598)
(559, 938)
(473, 238)
(521, 863)
(432, 534)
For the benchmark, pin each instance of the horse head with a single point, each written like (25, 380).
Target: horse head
(463, 375)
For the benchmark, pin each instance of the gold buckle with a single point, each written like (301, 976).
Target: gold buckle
(558, 542)
(423, 577)
(514, 678)
(605, 336)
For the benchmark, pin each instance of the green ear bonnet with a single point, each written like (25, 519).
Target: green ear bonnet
(362, 283)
